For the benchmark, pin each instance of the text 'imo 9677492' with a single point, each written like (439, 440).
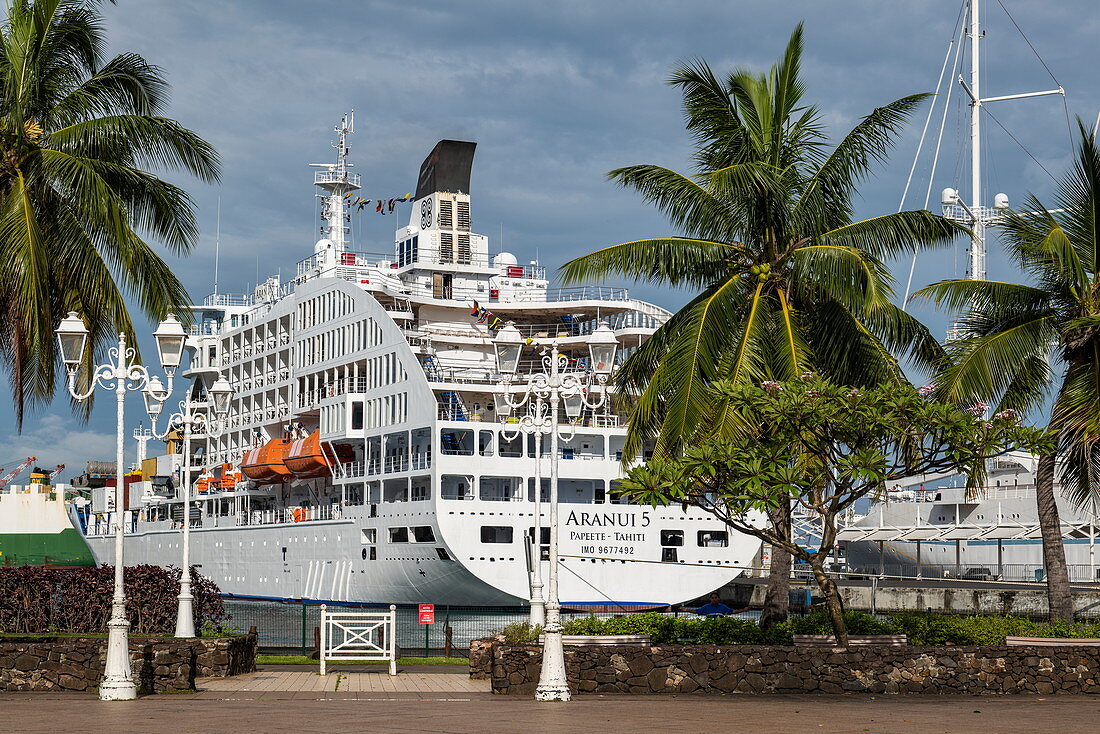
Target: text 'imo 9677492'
(368, 454)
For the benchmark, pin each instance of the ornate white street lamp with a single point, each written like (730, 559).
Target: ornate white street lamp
(120, 374)
(534, 423)
(190, 422)
(555, 386)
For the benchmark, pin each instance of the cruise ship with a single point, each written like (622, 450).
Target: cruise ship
(364, 457)
(936, 527)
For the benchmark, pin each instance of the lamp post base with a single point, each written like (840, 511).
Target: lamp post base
(553, 682)
(185, 616)
(552, 693)
(118, 679)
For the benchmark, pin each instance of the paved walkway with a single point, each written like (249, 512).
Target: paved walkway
(484, 713)
(289, 684)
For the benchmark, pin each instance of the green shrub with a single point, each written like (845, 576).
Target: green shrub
(919, 628)
(521, 633)
(858, 623)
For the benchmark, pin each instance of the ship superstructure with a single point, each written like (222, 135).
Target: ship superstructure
(363, 458)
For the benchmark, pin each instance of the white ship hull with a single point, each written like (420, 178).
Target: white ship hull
(328, 560)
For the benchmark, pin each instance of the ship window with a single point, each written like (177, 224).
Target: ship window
(499, 489)
(357, 415)
(373, 553)
(485, 443)
(442, 553)
(457, 442)
(456, 487)
(672, 537)
(395, 490)
(545, 495)
(399, 535)
(496, 534)
(511, 447)
(370, 535)
(616, 498)
(421, 489)
(422, 534)
(713, 538)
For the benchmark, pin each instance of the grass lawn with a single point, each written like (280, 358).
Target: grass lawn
(304, 660)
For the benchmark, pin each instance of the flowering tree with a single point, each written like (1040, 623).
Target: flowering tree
(824, 447)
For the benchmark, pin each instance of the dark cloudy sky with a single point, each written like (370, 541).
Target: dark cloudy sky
(555, 94)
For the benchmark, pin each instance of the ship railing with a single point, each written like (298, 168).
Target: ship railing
(397, 463)
(484, 413)
(975, 571)
(377, 276)
(290, 515)
(229, 299)
(332, 389)
(336, 177)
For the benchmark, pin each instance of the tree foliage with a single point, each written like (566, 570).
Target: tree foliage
(80, 133)
(823, 447)
(785, 281)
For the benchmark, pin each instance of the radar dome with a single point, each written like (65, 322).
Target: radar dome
(323, 244)
(505, 258)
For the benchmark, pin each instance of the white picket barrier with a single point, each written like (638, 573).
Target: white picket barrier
(359, 636)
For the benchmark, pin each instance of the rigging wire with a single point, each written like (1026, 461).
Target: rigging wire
(1017, 141)
(939, 140)
(1065, 103)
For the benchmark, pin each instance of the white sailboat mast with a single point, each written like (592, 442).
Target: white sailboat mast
(977, 248)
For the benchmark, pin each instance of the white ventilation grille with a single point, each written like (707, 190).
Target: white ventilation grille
(464, 215)
(447, 246)
(446, 217)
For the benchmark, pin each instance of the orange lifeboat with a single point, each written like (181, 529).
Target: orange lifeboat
(203, 485)
(306, 459)
(264, 465)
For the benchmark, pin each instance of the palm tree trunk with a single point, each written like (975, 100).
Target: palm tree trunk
(777, 599)
(1059, 596)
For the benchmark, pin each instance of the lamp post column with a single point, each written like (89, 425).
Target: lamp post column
(185, 613)
(538, 603)
(118, 680)
(553, 684)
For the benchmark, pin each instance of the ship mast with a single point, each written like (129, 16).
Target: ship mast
(977, 248)
(337, 181)
(977, 216)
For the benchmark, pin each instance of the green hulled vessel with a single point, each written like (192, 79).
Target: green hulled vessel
(36, 529)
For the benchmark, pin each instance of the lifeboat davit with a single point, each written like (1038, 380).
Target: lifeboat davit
(264, 465)
(306, 459)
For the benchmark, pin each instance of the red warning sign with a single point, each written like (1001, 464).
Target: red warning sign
(427, 614)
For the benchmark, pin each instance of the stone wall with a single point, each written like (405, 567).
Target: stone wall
(481, 657)
(760, 669)
(76, 663)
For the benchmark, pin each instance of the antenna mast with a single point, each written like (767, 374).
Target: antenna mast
(337, 182)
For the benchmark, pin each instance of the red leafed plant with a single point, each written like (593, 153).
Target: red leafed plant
(38, 600)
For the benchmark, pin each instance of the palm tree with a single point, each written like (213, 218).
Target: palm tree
(786, 282)
(78, 133)
(1011, 334)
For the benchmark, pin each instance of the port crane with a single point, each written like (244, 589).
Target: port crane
(18, 469)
